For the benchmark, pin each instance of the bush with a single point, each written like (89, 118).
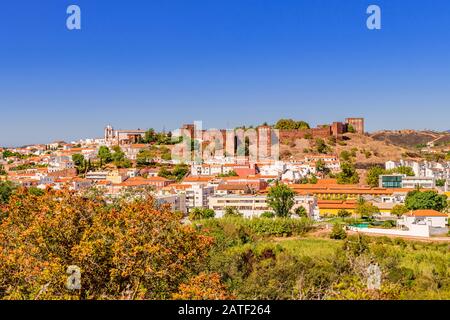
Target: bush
(344, 213)
(267, 214)
(262, 227)
(338, 232)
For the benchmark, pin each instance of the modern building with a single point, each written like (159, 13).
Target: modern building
(406, 182)
(255, 205)
(390, 181)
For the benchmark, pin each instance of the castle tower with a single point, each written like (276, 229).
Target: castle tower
(357, 124)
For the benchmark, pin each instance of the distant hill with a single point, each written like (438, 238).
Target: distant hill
(370, 151)
(410, 138)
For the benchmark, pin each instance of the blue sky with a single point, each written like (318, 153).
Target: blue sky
(161, 63)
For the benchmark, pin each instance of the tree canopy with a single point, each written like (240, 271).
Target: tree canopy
(416, 200)
(129, 249)
(348, 174)
(281, 199)
(290, 124)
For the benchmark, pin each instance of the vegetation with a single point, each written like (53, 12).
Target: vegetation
(138, 250)
(104, 154)
(348, 174)
(232, 173)
(6, 189)
(338, 232)
(374, 173)
(344, 213)
(399, 210)
(127, 250)
(289, 124)
(350, 128)
(321, 146)
(373, 176)
(177, 173)
(301, 212)
(440, 182)
(119, 159)
(416, 200)
(201, 213)
(321, 168)
(281, 199)
(232, 212)
(366, 210)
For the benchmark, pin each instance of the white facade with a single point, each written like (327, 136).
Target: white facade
(255, 205)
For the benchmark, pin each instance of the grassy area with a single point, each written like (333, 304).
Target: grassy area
(311, 247)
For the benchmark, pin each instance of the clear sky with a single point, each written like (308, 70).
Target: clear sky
(161, 63)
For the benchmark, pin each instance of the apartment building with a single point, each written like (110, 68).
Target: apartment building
(254, 205)
(196, 195)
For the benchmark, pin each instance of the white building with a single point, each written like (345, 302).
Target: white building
(177, 202)
(255, 205)
(430, 218)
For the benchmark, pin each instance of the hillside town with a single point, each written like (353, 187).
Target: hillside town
(327, 181)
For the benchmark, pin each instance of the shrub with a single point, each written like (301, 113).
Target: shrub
(338, 232)
(201, 213)
(262, 227)
(344, 213)
(267, 214)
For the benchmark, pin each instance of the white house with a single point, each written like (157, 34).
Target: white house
(431, 218)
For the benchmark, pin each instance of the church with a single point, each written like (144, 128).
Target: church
(122, 137)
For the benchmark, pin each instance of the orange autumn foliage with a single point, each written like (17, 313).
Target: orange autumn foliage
(205, 286)
(126, 249)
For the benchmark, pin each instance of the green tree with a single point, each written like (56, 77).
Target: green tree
(119, 159)
(373, 176)
(321, 146)
(366, 210)
(416, 200)
(344, 213)
(6, 189)
(350, 128)
(201, 213)
(345, 155)
(232, 212)
(403, 170)
(290, 124)
(301, 212)
(145, 157)
(399, 210)
(78, 159)
(440, 182)
(104, 154)
(281, 199)
(322, 168)
(150, 136)
(348, 174)
(180, 171)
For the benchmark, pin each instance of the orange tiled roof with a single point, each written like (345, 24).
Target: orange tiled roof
(426, 213)
(336, 204)
(199, 178)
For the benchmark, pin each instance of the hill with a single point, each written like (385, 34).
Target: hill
(368, 151)
(411, 138)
